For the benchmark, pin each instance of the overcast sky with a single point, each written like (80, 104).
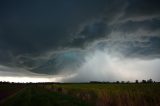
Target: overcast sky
(79, 40)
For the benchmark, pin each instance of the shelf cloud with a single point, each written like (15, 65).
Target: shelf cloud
(82, 40)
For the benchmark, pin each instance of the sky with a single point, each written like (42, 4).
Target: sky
(79, 40)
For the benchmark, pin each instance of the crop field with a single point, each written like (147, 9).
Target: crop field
(81, 94)
(7, 90)
(113, 94)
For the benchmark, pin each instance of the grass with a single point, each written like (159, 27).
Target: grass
(88, 94)
(8, 90)
(37, 96)
(116, 94)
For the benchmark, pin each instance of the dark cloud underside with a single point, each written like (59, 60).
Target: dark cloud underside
(50, 36)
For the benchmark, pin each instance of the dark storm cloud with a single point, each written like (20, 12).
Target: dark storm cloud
(38, 35)
(142, 10)
(33, 27)
(152, 26)
(151, 50)
(90, 33)
(61, 62)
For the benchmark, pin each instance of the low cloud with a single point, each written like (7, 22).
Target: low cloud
(13, 74)
(102, 66)
(105, 39)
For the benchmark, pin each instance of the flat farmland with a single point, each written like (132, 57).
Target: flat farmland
(86, 94)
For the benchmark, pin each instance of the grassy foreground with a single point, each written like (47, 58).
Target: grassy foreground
(87, 94)
(38, 96)
(113, 94)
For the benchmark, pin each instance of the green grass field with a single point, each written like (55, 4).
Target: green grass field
(88, 94)
(114, 94)
(39, 96)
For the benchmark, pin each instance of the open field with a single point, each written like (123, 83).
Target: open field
(7, 90)
(87, 94)
(114, 94)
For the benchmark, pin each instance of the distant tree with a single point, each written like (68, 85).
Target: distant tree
(150, 81)
(122, 82)
(95, 82)
(107, 82)
(117, 82)
(128, 82)
(137, 81)
(144, 81)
